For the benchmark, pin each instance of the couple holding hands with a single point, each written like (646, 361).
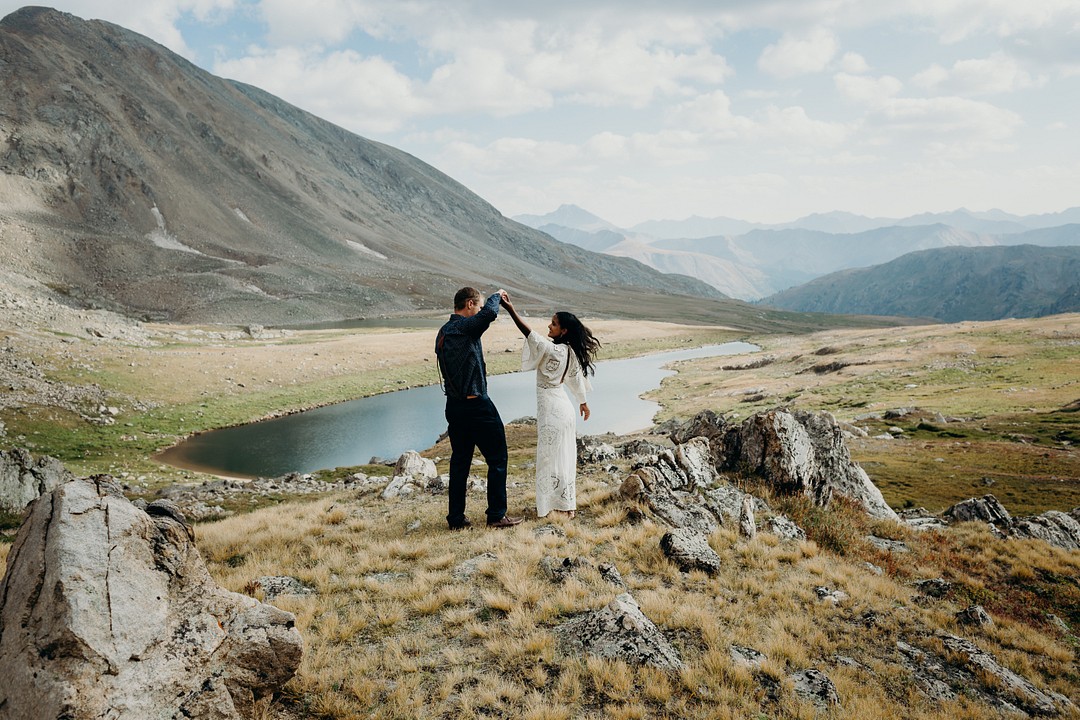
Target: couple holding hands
(563, 360)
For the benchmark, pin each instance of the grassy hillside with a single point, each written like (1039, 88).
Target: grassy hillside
(394, 629)
(986, 401)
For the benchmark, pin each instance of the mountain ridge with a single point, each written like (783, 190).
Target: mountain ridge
(136, 182)
(950, 284)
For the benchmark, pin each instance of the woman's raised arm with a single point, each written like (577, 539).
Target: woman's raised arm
(525, 329)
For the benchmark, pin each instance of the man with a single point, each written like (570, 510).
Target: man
(472, 418)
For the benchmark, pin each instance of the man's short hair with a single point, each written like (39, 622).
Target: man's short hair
(464, 295)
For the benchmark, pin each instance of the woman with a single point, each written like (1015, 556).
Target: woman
(563, 359)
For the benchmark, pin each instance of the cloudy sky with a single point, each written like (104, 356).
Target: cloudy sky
(763, 110)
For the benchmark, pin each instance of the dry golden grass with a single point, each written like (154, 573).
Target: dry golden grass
(394, 633)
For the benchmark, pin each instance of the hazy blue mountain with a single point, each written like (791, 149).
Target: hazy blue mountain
(836, 222)
(994, 222)
(1048, 220)
(949, 284)
(599, 241)
(568, 216)
(791, 257)
(764, 261)
(694, 227)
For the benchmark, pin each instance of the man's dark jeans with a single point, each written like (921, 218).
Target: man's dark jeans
(474, 424)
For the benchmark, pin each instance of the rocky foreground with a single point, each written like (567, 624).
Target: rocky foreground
(108, 610)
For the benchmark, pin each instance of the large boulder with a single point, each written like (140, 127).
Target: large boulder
(690, 550)
(706, 424)
(655, 487)
(108, 611)
(1053, 526)
(984, 509)
(414, 465)
(801, 452)
(23, 479)
(620, 631)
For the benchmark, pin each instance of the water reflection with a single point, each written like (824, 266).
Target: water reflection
(351, 433)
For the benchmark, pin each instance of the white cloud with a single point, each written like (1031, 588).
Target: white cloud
(478, 80)
(709, 113)
(854, 63)
(867, 90)
(291, 23)
(595, 70)
(998, 73)
(799, 55)
(362, 94)
(952, 126)
(794, 128)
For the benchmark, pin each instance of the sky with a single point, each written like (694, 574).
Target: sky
(761, 110)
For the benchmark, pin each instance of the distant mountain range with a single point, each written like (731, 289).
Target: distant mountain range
(752, 262)
(132, 180)
(950, 284)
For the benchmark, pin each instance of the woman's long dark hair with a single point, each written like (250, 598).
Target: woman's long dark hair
(581, 341)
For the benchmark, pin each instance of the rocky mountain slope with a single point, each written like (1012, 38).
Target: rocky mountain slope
(132, 180)
(950, 284)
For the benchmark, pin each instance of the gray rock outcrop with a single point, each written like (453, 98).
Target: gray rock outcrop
(108, 611)
(690, 550)
(978, 675)
(620, 631)
(984, 509)
(784, 528)
(707, 424)
(801, 452)
(416, 466)
(747, 526)
(1016, 689)
(815, 686)
(23, 479)
(974, 615)
(1053, 526)
(557, 570)
(663, 488)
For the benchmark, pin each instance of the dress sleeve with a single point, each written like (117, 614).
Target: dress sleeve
(576, 383)
(534, 350)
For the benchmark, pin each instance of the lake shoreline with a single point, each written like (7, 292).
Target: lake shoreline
(622, 396)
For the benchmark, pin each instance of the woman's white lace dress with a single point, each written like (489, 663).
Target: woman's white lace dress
(556, 420)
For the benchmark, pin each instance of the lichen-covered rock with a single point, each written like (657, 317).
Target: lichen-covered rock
(747, 657)
(1053, 526)
(609, 572)
(591, 449)
(620, 631)
(815, 686)
(558, 570)
(109, 611)
(784, 528)
(984, 509)
(416, 466)
(706, 424)
(974, 615)
(693, 458)
(274, 586)
(747, 526)
(690, 550)
(652, 486)
(1016, 689)
(801, 452)
(23, 479)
